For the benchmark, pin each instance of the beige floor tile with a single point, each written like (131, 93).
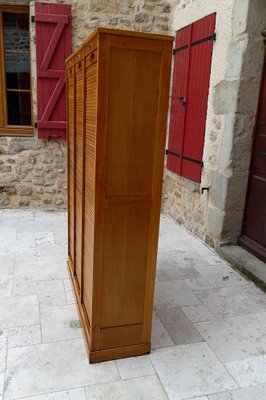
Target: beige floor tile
(232, 301)
(24, 336)
(3, 349)
(160, 337)
(74, 394)
(145, 388)
(60, 323)
(134, 367)
(179, 327)
(18, 311)
(236, 338)
(50, 367)
(198, 313)
(251, 393)
(174, 294)
(6, 285)
(190, 371)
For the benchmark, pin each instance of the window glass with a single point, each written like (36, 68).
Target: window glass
(17, 68)
(16, 31)
(19, 108)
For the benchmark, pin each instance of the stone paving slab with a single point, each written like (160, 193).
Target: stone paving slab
(208, 335)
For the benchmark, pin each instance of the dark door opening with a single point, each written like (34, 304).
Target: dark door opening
(254, 227)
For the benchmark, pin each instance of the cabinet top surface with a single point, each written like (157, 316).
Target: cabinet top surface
(121, 32)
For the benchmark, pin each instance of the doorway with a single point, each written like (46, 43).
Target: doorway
(253, 236)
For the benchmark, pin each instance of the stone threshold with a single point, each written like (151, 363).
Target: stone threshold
(245, 262)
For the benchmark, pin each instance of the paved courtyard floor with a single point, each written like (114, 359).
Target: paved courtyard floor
(209, 326)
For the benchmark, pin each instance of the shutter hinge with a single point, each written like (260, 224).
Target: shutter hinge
(32, 18)
(36, 125)
(186, 46)
(54, 137)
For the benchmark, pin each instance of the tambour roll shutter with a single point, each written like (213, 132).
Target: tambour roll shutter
(53, 46)
(190, 126)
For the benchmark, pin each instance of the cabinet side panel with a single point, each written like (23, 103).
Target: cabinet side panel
(132, 124)
(89, 199)
(71, 160)
(78, 170)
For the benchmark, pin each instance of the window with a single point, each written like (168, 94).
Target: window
(192, 69)
(15, 74)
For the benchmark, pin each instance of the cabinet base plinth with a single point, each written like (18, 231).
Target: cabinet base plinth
(121, 352)
(107, 354)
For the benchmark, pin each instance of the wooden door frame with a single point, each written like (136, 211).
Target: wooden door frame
(246, 242)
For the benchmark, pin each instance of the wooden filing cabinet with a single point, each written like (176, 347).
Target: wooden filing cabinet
(117, 102)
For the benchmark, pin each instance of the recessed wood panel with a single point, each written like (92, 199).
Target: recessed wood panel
(120, 336)
(133, 93)
(126, 243)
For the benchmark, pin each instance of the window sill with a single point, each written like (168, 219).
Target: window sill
(17, 131)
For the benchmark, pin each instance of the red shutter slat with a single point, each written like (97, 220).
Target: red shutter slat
(179, 89)
(53, 46)
(197, 97)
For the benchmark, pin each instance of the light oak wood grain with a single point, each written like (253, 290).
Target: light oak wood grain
(119, 82)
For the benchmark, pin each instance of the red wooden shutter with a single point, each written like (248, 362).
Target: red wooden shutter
(179, 91)
(53, 46)
(197, 96)
(189, 132)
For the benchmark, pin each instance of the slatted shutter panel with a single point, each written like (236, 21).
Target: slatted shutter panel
(189, 132)
(53, 46)
(179, 90)
(197, 96)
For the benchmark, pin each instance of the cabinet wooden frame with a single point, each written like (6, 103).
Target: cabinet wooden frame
(5, 129)
(117, 103)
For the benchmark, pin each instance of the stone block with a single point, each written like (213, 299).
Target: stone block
(59, 202)
(142, 17)
(47, 201)
(21, 144)
(7, 178)
(253, 58)
(5, 168)
(248, 95)
(24, 203)
(231, 227)
(236, 50)
(228, 193)
(24, 190)
(113, 21)
(49, 190)
(167, 8)
(4, 202)
(11, 190)
(239, 18)
(225, 97)
(256, 16)
(215, 222)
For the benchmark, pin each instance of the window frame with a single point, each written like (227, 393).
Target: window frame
(5, 129)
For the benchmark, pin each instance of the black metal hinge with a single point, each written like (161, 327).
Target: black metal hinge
(32, 18)
(54, 137)
(184, 157)
(186, 46)
(206, 39)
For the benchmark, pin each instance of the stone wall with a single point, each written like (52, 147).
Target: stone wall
(33, 171)
(216, 215)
